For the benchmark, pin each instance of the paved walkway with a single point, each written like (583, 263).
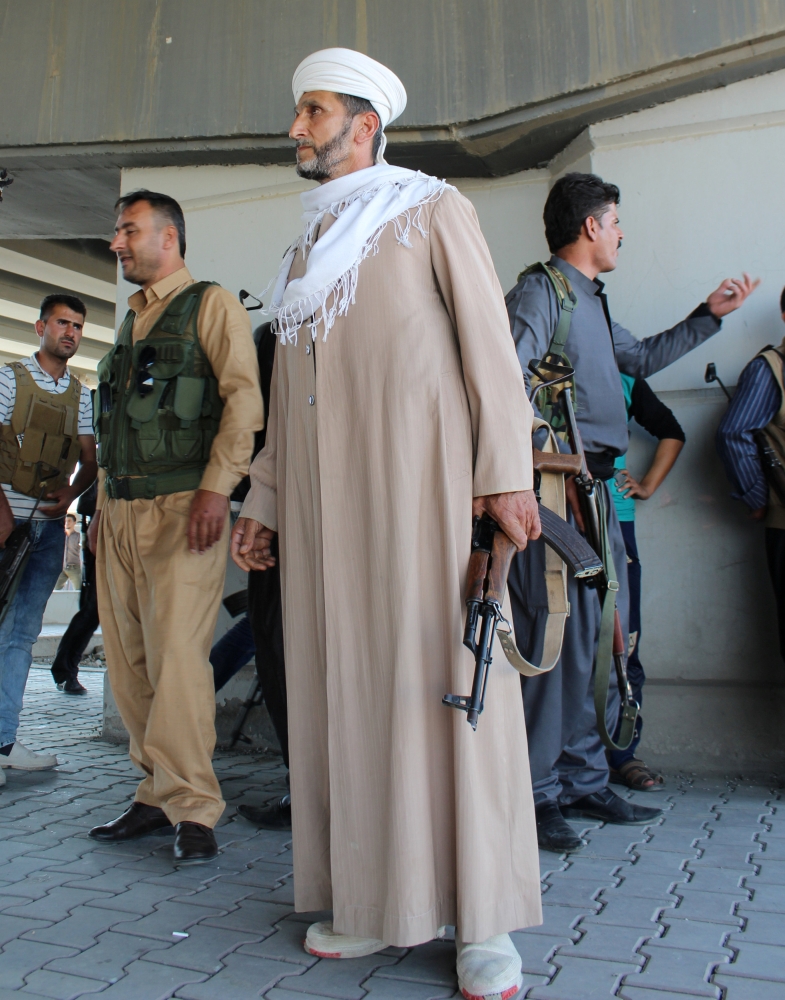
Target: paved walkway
(691, 907)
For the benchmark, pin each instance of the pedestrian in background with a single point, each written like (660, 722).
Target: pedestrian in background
(72, 558)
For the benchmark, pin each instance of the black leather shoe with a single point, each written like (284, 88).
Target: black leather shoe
(194, 844)
(554, 833)
(611, 808)
(72, 686)
(137, 821)
(276, 815)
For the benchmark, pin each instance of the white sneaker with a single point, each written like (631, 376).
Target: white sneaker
(322, 941)
(490, 970)
(22, 759)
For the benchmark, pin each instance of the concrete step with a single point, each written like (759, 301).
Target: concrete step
(51, 634)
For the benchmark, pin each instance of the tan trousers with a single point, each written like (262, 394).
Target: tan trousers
(158, 604)
(72, 573)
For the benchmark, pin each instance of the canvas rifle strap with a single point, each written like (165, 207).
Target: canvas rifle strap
(552, 495)
(602, 670)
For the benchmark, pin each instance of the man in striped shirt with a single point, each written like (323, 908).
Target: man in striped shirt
(758, 402)
(60, 330)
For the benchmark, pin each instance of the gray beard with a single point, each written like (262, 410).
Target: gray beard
(327, 157)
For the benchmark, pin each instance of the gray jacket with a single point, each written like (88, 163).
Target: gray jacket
(598, 349)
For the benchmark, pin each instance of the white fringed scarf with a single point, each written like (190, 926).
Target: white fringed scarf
(363, 203)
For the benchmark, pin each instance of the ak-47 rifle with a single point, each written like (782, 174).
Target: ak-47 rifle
(489, 566)
(15, 553)
(593, 508)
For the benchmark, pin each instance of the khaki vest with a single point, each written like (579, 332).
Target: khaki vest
(775, 515)
(39, 449)
(159, 442)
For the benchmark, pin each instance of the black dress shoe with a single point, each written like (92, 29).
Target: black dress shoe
(137, 821)
(611, 808)
(554, 833)
(72, 686)
(194, 844)
(276, 815)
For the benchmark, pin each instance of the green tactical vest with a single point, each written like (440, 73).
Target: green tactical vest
(40, 447)
(158, 442)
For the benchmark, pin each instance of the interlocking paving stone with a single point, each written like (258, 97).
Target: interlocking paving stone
(534, 950)
(717, 880)
(636, 993)
(242, 976)
(670, 968)
(600, 943)
(108, 957)
(760, 927)
(716, 907)
(432, 963)
(558, 921)
(770, 873)
(167, 918)
(759, 961)
(141, 898)
(19, 958)
(148, 981)
(695, 935)
(55, 905)
(572, 891)
(205, 947)
(631, 911)
(285, 944)
(80, 929)
(577, 978)
(219, 895)
(737, 988)
(60, 986)
(250, 915)
(14, 927)
(656, 886)
(378, 989)
(768, 898)
(30, 887)
(338, 978)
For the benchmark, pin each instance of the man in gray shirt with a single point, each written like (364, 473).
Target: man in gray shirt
(569, 768)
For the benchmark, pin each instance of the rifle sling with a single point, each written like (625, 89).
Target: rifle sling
(604, 661)
(553, 497)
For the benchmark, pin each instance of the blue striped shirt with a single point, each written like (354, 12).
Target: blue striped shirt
(20, 504)
(755, 403)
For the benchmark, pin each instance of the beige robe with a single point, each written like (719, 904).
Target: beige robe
(403, 818)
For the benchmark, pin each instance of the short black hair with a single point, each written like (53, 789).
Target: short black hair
(572, 199)
(782, 301)
(74, 303)
(163, 204)
(361, 106)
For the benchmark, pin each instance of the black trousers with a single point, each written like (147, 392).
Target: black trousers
(266, 617)
(775, 556)
(82, 626)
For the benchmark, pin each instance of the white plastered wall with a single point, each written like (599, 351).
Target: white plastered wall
(702, 199)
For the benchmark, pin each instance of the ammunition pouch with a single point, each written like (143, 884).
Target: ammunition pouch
(157, 409)
(40, 447)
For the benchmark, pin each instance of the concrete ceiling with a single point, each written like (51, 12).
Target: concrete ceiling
(495, 86)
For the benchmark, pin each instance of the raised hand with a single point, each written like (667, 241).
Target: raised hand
(731, 294)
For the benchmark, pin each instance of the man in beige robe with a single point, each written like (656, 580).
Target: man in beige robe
(397, 406)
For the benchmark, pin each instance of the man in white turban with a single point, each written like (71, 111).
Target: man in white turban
(397, 407)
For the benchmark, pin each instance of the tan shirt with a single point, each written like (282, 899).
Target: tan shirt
(225, 335)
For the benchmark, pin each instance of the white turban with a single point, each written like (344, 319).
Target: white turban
(344, 71)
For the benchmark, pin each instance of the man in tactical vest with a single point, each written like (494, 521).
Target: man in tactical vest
(45, 429)
(751, 444)
(177, 405)
(568, 762)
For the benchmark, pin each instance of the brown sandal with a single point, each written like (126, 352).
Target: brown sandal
(636, 775)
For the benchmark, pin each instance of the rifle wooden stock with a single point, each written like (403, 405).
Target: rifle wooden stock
(567, 465)
(478, 569)
(619, 645)
(501, 557)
